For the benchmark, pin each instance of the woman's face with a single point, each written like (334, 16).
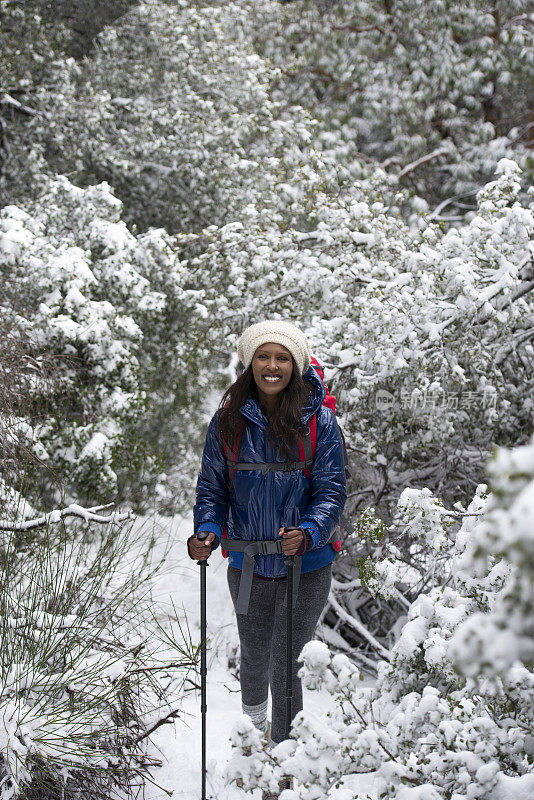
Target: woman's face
(272, 367)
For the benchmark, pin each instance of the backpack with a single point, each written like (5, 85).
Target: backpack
(307, 447)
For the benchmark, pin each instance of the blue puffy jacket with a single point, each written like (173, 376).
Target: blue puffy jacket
(259, 505)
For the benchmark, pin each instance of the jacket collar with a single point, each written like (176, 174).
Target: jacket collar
(251, 408)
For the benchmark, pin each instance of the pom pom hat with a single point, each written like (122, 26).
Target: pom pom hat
(279, 332)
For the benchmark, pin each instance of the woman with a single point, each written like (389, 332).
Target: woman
(261, 420)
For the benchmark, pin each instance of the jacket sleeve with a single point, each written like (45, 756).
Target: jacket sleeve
(212, 497)
(327, 482)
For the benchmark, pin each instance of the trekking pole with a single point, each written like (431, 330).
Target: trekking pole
(289, 562)
(202, 536)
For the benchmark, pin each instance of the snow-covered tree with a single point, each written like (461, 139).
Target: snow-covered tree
(436, 92)
(175, 110)
(115, 312)
(28, 48)
(451, 713)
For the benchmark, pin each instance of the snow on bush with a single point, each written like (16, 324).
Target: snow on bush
(109, 308)
(175, 109)
(451, 715)
(433, 92)
(83, 675)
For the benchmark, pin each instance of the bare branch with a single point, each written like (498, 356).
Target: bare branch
(282, 296)
(4, 146)
(162, 667)
(522, 290)
(163, 721)
(346, 586)
(526, 18)
(358, 29)
(401, 598)
(510, 347)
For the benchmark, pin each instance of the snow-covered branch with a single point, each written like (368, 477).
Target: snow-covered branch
(72, 510)
(8, 100)
(351, 620)
(442, 151)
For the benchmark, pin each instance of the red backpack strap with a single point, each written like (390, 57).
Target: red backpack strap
(309, 442)
(330, 400)
(225, 536)
(313, 433)
(335, 544)
(318, 368)
(235, 452)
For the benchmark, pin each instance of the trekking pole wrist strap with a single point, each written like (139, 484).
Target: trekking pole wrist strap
(250, 550)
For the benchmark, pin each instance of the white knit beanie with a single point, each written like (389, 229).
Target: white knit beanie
(277, 331)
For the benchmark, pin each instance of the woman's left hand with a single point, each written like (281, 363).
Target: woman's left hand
(292, 540)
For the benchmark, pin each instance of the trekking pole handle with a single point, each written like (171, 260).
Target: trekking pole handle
(290, 560)
(202, 536)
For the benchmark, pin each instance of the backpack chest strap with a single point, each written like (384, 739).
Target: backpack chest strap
(278, 466)
(306, 454)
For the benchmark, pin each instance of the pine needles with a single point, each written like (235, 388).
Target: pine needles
(85, 670)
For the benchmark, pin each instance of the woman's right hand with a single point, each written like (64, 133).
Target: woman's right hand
(199, 551)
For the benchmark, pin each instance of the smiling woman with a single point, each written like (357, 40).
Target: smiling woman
(270, 494)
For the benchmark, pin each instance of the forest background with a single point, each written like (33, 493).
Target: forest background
(173, 171)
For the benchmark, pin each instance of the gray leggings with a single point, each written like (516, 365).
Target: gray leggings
(262, 636)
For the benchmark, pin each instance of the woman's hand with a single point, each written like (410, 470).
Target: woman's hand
(292, 540)
(200, 550)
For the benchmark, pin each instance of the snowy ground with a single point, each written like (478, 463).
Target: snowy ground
(179, 744)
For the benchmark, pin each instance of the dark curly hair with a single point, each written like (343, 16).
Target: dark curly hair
(285, 425)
